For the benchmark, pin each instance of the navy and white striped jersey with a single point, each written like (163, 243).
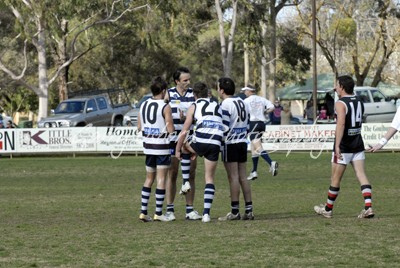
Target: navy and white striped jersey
(236, 118)
(352, 141)
(209, 128)
(154, 130)
(179, 103)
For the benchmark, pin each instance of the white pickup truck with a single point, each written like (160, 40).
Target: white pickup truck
(378, 107)
(91, 108)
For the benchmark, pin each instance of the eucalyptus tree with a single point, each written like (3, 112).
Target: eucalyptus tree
(36, 22)
(188, 32)
(227, 45)
(356, 37)
(259, 32)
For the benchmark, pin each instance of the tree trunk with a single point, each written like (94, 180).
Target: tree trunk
(264, 67)
(42, 70)
(62, 55)
(272, 63)
(227, 49)
(63, 84)
(231, 40)
(246, 63)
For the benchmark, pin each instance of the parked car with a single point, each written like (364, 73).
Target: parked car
(378, 107)
(96, 108)
(131, 117)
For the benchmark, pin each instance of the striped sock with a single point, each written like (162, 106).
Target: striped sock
(366, 191)
(189, 208)
(160, 195)
(235, 207)
(209, 191)
(248, 207)
(185, 167)
(170, 208)
(333, 192)
(145, 199)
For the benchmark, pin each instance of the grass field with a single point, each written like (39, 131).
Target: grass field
(83, 212)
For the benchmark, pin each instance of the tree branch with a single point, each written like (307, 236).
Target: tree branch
(11, 73)
(108, 19)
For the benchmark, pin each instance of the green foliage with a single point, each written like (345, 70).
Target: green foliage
(83, 212)
(345, 29)
(17, 99)
(295, 54)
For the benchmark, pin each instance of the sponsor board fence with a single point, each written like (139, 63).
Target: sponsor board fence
(118, 140)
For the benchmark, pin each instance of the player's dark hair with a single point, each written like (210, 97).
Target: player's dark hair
(158, 85)
(227, 85)
(347, 82)
(200, 90)
(179, 71)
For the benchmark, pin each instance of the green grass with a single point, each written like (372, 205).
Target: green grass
(83, 212)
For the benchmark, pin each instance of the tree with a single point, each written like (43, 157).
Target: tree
(227, 45)
(34, 19)
(365, 32)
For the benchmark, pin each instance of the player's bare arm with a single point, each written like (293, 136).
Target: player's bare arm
(186, 127)
(168, 119)
(340, 124)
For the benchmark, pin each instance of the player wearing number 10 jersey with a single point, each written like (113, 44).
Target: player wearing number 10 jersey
(348, 147)
(155, 122)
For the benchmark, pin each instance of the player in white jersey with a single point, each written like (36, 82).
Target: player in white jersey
(259, 108)
(235, 116)
(205, 141)
(155, 122)
(180, 98)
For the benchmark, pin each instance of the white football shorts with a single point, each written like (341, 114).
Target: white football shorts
(348, 157)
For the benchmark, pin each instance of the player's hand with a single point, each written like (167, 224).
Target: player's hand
(375, 148)
(178, 155)
(193, 156)
(338, 153)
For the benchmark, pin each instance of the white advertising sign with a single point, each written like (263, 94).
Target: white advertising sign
(118, 140)
(31, 140)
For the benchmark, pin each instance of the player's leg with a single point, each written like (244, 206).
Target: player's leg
(191, 213)
(337, 171)
(254, 155)
(163, 163)
(209, 190)
(366, 188)
(232, 171)
(185, 169)
(254, 158)
(170, 187)
(146, 188)
(246, 189)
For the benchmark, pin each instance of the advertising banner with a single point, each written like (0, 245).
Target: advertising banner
(118, 140)
(32, 140)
